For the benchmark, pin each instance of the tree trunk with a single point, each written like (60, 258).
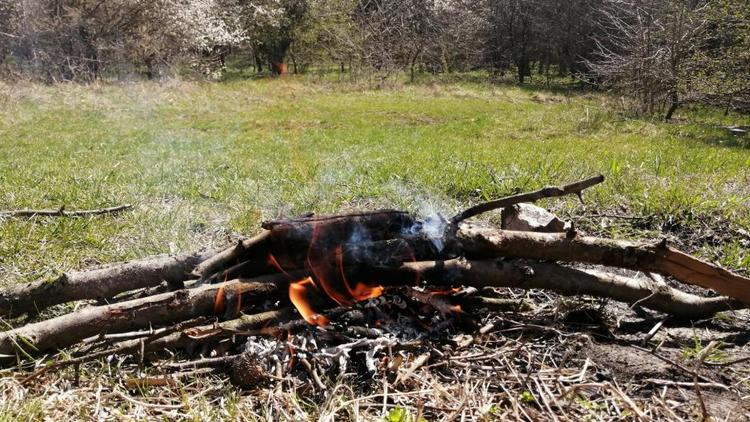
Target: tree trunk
(674, 102)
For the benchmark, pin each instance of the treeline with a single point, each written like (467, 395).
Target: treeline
(657, 53)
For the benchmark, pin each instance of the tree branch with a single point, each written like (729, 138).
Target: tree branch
(61, 212)
(548, 192)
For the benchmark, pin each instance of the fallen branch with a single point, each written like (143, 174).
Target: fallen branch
(61, 212)
(69, 329)
(483, 241)
(548, 192)
(122, 348)
(102, 283)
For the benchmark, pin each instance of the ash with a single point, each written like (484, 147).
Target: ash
(359, 339)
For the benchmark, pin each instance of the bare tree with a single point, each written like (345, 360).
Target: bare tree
(643, 46)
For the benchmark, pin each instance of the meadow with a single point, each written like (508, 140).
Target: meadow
(204, 163)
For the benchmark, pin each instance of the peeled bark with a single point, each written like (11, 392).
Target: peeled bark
(483, 241)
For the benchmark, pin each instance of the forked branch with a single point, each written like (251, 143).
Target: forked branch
(548, 192)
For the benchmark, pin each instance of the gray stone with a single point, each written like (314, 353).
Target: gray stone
(528, 217)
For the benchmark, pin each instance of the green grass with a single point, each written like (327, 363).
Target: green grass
(205, 161)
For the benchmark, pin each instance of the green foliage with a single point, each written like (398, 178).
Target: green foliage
(695, 347)
(527, 397)
(399, 414)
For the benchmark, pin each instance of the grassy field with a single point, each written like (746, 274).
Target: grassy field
(204, 163)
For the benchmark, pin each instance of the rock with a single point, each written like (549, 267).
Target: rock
(527, 217)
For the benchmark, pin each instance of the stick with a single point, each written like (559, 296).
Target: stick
(495, 304)
(122, 348)
(659, 258)
(61, 212)
(102, 283)
(238, 326)
(69, 329)
(547, 192)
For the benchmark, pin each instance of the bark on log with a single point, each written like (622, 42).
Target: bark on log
(165, 308)
(99, 284)
(566, 281)
(484, 241)
(256, 246)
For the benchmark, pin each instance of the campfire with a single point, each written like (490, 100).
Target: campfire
(315, 295)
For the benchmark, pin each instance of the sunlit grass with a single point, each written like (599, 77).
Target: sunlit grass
(205, 161)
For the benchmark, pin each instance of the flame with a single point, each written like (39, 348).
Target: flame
(274, 263)
(219, 300)
(363, 292)
(325, 260)
(299, 293)
(444, 292)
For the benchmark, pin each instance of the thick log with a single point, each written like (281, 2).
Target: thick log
(484, 241)
(328, 232)
(165, 308)
(98, 284)
(290, 240)
(567, 281)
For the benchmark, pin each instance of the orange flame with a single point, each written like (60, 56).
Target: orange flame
(325, 261)
(219, 300)
(274, 263)
(299, 293)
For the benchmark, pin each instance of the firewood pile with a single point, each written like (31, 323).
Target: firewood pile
(317, 296)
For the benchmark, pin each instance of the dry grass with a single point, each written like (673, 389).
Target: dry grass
(566, 360)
